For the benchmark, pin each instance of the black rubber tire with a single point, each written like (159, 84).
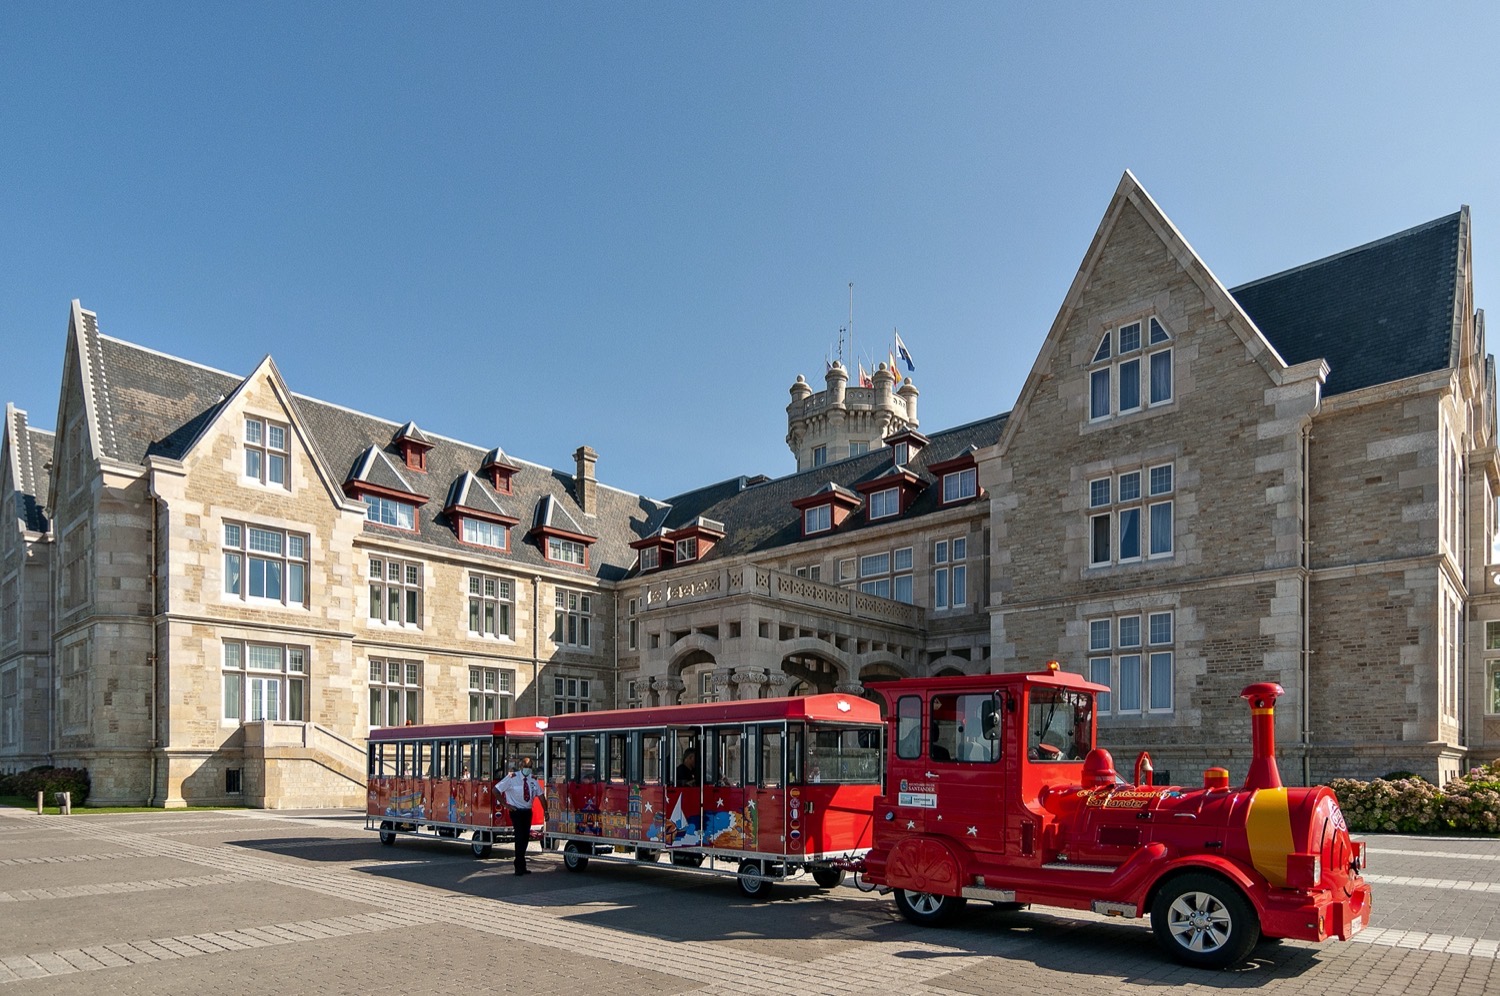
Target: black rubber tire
(828, 878)
(481, 844)
(687, 860)
(750, 882)
(447, 832)
(573, 859)
(387, 833)
(928, 909)
(1203, 921)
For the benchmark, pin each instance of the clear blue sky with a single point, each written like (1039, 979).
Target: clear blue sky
(632, 225)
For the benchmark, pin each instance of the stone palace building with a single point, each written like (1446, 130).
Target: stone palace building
(212, 588)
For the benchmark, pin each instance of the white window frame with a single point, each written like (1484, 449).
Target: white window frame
(490, 605)
(687, 550)
(901, 454)
(491, 691)
(405, 580)
(817, 519)
(483, 532)
(885, 503)
(254, 690)
(960, 485)
(266, 459)
(888, 574)
(1135, 654)
(950, 574)
(650, 558)
(819, 455)
(813, 572)
(1141, 498)
(247, 556)
(395, 692)
(566, 551)
(389, 512)
(1113, 364)
(572, 619)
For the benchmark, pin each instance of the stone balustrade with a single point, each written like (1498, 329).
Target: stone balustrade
(795, 591)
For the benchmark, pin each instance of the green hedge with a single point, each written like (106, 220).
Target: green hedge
(27, 784)
(1469, 803)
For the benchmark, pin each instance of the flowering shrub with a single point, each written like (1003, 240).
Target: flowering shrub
(1469, 803)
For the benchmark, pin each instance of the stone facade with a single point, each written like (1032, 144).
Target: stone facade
(1198, 488)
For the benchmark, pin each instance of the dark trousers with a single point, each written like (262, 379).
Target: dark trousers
(520, 821)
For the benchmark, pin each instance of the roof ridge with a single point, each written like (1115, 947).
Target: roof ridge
(1375, 244)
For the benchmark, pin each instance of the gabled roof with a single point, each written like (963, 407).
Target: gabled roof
(469, 492)
(29, 451)
(1379, 312)
(411, 434)
(375, 467)
(551, 516)
(497, 458)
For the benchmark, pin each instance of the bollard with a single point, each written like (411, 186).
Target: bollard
(39, 808)
(67, 804)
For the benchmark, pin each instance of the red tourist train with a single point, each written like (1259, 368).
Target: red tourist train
(439, 781)
(764, 789)
(985, 787)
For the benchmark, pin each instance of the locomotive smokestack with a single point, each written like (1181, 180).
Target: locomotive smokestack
(1262, 698)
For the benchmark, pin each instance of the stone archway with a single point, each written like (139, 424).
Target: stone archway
(877, 668)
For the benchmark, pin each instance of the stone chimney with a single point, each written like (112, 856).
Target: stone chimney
(586, 487)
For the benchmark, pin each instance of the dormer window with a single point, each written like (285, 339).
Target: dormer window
(478, 532)
(413, 446)
(901, 454)
(566, 551)
(389, 512)
(265, 451)
(687, 549)
(1131, 370)
(500, 480)
(960, 485)
(817, 519)
(496, 466)
(884, 504)
(650, 558)
(826, 508)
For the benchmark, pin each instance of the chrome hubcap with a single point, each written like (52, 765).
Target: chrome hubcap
(1199, 922)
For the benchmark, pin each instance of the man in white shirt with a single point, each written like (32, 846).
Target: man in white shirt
(516, 792)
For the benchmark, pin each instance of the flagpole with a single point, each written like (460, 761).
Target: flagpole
(851, 319)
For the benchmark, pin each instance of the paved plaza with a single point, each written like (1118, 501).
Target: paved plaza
(268, 902)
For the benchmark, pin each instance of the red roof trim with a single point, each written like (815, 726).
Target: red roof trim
(957, 463)
(475, 513)
(360, 488)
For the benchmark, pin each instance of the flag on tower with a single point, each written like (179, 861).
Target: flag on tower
(905, 353)
(864, 378)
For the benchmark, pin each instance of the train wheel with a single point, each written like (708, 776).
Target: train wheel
(828, 877)
(387, 833)
(573, 859)
(481, 844)
(751, 880)
(929, 909)
(1204, 921)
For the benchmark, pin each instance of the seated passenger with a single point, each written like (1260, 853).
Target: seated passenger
(687, 771)
(939, 753)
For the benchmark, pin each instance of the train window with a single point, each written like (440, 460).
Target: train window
(618, 753)
(402, 760)
(849, 756)
(1059, 725)
(689, 772)
(965, 728)
(772, 757)
(728, 757)
(588, 757)
(651, 758)
(557, 759)
(483, 749)
(421, 759)
(909, 727)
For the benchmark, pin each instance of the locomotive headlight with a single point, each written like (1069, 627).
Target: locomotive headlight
(1304, 871)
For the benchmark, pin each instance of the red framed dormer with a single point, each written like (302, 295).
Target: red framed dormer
(957, 479)
(905, 445)
(558, 536)
(654, 552)
(891, 494)
(413, 447)
(387, 506)
(694, 540)
(498, 469)
(825, 510)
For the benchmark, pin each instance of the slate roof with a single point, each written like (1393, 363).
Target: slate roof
(30, 453)
(1377, 313)
(760, 517)
(157, 404)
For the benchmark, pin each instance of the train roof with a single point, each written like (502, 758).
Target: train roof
(832, 708)
(523, 726)
(989, 682)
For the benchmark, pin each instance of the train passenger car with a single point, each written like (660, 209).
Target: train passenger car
(764, 789)
(439, 781)
(996, 791)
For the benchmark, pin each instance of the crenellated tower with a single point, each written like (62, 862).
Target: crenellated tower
(842, 421)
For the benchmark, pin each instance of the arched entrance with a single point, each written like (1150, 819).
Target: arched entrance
(810, 673)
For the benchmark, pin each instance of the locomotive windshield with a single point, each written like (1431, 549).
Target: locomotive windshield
(1060, 725)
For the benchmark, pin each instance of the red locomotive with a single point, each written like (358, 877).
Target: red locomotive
(995, 790)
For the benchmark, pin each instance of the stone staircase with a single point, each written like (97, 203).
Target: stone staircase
(302, 766)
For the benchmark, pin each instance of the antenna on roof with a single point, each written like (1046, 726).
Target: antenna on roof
(852, 353)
